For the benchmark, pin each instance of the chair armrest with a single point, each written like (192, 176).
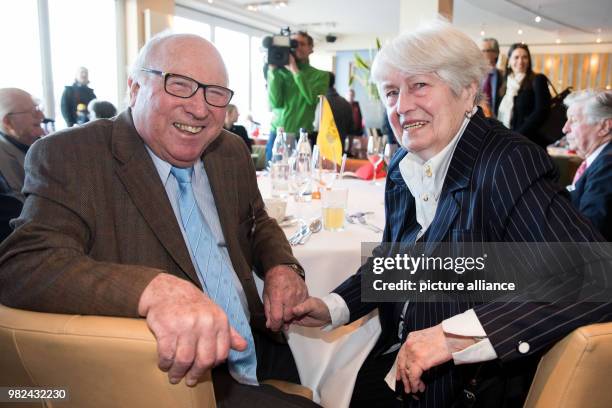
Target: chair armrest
(102, 361)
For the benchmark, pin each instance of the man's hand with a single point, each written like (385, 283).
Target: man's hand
(192, 332)
(312, 313)
(292, 66)
(283, 289)
(424, 349)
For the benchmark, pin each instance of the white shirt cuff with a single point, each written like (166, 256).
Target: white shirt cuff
(338, 310)
(467, 324)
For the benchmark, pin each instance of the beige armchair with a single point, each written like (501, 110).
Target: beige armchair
(102, 361)
(576, 372)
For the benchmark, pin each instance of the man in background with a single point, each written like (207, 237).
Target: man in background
(75, 94)
(589, 131)
(293, 90)
(357, 116)
(20, 120)
(492, 83)
(101, 109)
(342, 111)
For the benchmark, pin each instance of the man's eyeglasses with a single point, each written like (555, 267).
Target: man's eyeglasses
(489, 50)
(33, 111)
(185, 87)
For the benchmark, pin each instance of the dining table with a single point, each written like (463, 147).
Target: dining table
(328, 360)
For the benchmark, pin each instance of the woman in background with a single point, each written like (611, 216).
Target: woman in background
(231, 117)
(526, 103)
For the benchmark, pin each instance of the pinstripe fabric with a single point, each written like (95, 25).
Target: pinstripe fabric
(499, 188)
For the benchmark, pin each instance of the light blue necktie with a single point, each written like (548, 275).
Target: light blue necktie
(215, 276)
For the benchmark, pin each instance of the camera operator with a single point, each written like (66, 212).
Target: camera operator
(293, 90)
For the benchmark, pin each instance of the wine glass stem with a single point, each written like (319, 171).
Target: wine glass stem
(373, 173)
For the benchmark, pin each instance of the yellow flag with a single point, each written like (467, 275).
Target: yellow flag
(328, 138)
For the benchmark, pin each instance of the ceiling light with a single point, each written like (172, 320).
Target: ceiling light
(211, 1)
(538, 19)
(558, 41)
(482, 33)
(263, 4)
(519, 32)
(598, 40)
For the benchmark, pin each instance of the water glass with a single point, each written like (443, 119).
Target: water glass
(334, 203)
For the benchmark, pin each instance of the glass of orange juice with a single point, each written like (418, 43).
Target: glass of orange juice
(334, 206)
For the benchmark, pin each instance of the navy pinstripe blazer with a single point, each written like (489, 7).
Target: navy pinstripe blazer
(500, 187)
(593, 193)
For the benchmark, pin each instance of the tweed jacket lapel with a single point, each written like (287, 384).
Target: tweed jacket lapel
(457, 181)
(137, 172)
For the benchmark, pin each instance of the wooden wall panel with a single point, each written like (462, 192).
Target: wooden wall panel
(566, 69)
(580, 71)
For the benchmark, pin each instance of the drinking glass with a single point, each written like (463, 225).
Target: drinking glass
(301, 177)
(375, 153)
(325, 169)
(334, 202)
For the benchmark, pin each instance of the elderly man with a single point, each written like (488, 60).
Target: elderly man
(20, 119)
(459, 179)
(589, 131)
(493, 80)
(156, 213)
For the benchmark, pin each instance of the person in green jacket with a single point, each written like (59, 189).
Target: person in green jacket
(293, 91)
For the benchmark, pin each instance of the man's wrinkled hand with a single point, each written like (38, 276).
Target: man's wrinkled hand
(283, 289)
(312, 313)
(193, 333)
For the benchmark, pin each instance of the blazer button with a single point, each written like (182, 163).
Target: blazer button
(523, 347)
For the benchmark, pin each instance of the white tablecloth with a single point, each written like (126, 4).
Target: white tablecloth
(328, 362)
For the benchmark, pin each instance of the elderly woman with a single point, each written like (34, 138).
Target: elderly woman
(459, 177)
(526, 102)
(589, 131)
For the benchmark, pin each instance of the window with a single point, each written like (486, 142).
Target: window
(20, 40)
(189, 26)
(83, 41)
(234, 48)
(259, 91)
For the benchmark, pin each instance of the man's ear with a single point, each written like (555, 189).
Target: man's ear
(606, 127)
(7, 125)
(133, 87)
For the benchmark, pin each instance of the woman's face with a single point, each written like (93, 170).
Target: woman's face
(519, 61)
(423, 110)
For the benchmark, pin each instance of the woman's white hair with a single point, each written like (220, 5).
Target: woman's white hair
(596, 104)
(434, 47)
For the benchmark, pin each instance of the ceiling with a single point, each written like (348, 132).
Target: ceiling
(568, 21)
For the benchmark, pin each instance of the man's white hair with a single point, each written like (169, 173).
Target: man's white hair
(596, 104)
(434, 47)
